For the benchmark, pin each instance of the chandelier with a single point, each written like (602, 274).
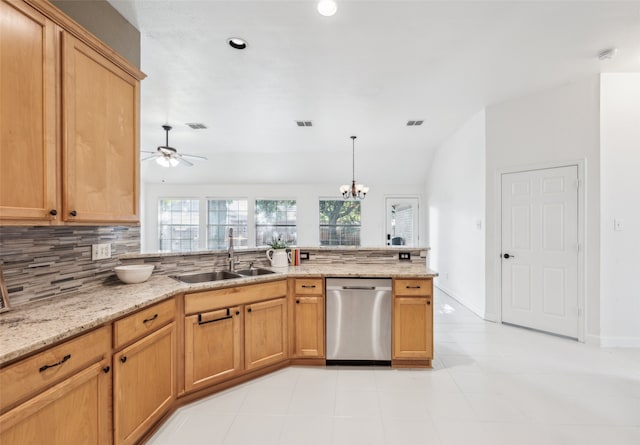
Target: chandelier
(354, 191)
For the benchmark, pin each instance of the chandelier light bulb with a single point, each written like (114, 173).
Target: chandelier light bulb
(327, 8)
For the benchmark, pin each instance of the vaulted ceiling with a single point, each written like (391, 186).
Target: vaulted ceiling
(365, 71)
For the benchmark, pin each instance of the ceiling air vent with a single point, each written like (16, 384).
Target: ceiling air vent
(197, 126)
(304, 123)
(414, 123)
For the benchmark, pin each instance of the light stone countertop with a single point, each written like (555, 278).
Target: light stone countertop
(31, 327)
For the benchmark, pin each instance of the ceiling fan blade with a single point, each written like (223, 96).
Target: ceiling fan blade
(194, 157)
(146, 158)
(181, 159)
(146, 151)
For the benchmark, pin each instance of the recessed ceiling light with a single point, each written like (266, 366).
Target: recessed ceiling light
(327, 7)
(237, 43)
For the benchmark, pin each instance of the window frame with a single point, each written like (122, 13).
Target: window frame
(198, 241)
(256, 225)
(207, 225)
(320, 225)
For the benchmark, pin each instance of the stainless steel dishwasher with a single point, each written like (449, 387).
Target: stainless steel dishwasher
(358, 321)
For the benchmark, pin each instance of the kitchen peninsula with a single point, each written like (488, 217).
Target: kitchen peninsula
(190, 339)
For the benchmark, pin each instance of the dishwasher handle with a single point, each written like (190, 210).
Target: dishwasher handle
(359, 287)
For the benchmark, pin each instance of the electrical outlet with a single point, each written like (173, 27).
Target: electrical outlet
(404, 256)
(304, 256)
(100, 251)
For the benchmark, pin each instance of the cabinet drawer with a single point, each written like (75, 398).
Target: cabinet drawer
(143, 322)
(233, 296)
(418, 287)
(309, 286)
(30, 376)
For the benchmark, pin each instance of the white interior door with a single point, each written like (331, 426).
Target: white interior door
(540, 249)
(402, 216)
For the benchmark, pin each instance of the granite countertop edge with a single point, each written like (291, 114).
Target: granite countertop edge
(31, 327)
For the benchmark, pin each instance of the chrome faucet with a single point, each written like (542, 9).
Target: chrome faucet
(232, 260)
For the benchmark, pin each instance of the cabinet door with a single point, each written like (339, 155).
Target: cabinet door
(412, 328)
(75, 411)
(144, 383)
(265, 330)
(309, 325)
(27, 114)
(213, 347)
(100, 144)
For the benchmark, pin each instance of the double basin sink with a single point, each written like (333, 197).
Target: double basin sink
(220, 275)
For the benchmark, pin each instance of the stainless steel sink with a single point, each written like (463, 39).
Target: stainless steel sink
(254, 272)
(203, 277)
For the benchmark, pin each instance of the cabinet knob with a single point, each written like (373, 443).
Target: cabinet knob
(53, 212)
(297, 301)
(123, 359)
(249, 310)
(429, 302)
(73, 213)
(106, 369)
(237, 312)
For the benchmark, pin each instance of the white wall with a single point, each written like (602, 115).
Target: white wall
(553, 126)
(620, 197)
(455, 198)
(306, 195)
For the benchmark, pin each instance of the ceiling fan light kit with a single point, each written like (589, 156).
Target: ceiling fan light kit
(167, 156)
(354, 191)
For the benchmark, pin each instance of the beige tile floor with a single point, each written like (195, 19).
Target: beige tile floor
(491, 384)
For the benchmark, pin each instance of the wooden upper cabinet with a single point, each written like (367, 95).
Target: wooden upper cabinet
(27, 114)
(100, 137)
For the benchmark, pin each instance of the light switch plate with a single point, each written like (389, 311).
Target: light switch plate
(100, 251)
(618, 225)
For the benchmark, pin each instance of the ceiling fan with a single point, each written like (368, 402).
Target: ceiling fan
(168, 156)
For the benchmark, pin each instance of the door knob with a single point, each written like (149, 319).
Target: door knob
(507, 256)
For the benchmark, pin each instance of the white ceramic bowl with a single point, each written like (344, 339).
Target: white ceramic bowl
(134, 273)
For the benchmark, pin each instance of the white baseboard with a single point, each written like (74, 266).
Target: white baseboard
(619, 342)
(592, 340)
(476, 310)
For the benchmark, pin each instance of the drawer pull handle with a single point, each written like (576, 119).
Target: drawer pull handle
(308, 286)
(228, 316)
(359, 287)
(64, 359)
(413, 287)
(147, 320)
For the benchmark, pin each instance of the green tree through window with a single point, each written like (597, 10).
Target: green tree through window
(339, 223)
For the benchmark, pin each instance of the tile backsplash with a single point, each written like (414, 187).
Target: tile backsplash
(40, 262)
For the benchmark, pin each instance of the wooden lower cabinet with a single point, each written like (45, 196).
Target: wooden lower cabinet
(309, 326)
(144, 382)
(213, 347)
(75, 411)
(265, 333)
(413, 328)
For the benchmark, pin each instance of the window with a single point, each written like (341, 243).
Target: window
(275, 219)
(178, 225)
(339, 223)
(224, 214)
